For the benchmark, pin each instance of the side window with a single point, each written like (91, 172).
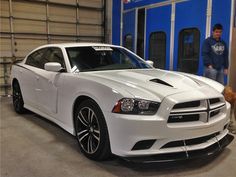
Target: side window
(54, 54)
(128, 42)
(35, 59)
(157, 49)
(188, 52)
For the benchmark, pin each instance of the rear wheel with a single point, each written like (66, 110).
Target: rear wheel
(91, 131)
(18, 101)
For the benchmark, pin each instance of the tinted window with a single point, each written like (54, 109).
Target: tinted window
(42, 56)
(103, 58)
(188, 54)
(157, 49)
(35, 59)
(54, 55)
(128, 42)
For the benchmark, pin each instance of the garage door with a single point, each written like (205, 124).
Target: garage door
(27, 24)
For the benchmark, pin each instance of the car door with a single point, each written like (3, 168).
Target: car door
(27, 77)
(48, 83)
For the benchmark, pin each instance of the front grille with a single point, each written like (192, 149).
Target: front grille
(190, 142)
(198, 110)
(183, 118)
(214, 100)
(214, 113)
(187, 105)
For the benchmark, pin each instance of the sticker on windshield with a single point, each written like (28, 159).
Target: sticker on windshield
(102, 48)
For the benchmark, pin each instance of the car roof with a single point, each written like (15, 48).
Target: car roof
(76, 44)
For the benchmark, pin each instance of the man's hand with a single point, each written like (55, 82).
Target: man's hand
(225, 71)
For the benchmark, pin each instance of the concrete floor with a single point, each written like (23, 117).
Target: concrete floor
(34, 147)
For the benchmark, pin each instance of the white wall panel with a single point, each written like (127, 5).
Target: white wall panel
(90, 16)
(5, 49)
(90, 30)
(62, 29)
(91, 3)
(4, 6)
(72, 2)
(5, 25)
(29, 26)
(57, 41)
(29, 10)
(24, 46)
(59, 13)
(90, 39)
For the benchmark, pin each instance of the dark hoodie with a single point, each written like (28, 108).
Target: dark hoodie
(215, 53)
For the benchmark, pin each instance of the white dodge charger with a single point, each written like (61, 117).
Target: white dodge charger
(114, 102)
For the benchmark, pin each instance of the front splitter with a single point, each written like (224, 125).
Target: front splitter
(186, 155)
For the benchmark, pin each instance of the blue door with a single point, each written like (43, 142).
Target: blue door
(222, 17)
(129, 30)
(158, 25)
(190, 29)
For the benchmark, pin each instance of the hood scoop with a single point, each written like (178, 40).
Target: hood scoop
(161, 82)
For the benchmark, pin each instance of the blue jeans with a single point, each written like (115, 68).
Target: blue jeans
(217, 75)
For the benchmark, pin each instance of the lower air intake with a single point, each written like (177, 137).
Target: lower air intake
(145, 144)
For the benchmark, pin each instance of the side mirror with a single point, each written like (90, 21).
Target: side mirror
(52, 66)
(150, 62)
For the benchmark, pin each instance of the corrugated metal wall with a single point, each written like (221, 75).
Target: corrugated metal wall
(26, 24)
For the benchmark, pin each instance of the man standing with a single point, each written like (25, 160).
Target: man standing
(215, 55)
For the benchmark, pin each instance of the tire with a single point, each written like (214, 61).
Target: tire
(91, 131)
(17, 98)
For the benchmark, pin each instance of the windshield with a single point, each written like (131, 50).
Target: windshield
(97, 58)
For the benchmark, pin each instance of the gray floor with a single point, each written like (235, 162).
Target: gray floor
(33, 147)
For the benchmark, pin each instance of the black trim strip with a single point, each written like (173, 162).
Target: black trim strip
(22, 67)
(200, 111)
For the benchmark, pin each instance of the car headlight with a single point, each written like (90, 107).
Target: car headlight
(136, 106)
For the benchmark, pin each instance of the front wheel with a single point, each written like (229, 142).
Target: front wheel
(18, 101)
(91, 131)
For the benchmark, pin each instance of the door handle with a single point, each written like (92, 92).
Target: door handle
(37, 77)
(21, 71)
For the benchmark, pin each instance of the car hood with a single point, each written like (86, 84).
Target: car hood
(148, 83)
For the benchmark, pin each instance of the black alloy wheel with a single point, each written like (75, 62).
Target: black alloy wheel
(18, 101)
(91, 131)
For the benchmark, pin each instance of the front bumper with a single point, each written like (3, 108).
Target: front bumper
(125, 131)
(206, 152)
